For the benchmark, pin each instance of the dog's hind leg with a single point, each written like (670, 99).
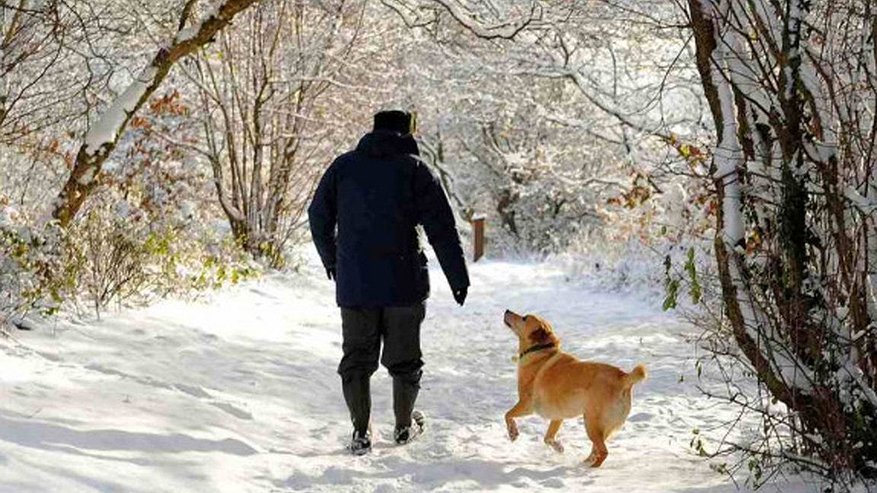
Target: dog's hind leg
(550, 435)
(599, 452)
(522, 408)
(597, 434)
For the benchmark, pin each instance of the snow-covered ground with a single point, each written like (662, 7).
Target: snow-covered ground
(238, 393)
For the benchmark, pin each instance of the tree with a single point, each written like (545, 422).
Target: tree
(791, 85)
(540, 118)
(262, 100)
(101, 139)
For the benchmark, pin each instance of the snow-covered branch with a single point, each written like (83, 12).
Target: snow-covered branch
(102, 137)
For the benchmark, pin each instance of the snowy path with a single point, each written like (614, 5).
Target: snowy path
(240, 395)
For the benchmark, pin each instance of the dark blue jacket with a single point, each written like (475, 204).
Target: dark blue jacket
(363, 219)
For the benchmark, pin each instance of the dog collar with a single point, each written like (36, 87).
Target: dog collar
(533, 349)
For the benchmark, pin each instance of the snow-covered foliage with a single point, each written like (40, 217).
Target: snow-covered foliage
(548, 134)
(33, 274)
(791, 86)
(540, 131)
(143, 237)
(124, 251)
(267, 135)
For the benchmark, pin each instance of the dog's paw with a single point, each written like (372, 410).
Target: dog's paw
(594, 460)
(556, 445)
(513, 432)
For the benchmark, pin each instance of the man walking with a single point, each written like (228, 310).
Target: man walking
(363, 221)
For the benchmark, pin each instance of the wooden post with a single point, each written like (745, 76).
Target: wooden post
(478, 237)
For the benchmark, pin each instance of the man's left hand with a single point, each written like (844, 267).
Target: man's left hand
(460, 295)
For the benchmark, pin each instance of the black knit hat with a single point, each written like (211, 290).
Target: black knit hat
(395, 121)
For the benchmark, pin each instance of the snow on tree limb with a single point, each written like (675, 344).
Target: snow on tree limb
(466, 14)
(105, 129)
(102, 137)
(462, 13)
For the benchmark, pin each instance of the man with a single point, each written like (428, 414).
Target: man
(375, 196)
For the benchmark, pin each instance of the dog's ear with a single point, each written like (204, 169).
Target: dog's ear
(539, 336)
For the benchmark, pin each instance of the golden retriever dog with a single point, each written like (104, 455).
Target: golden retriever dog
(559, 386)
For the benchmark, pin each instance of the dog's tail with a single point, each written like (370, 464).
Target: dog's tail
(638, 374)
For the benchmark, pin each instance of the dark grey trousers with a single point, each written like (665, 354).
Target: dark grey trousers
(364, 329)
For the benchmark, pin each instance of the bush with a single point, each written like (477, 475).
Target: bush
(32, 275)
(111, 255)
(121, 255)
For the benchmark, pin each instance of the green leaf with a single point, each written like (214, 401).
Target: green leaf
(694, 290)
(672, 292)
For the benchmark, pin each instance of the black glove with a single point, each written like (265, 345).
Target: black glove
(330, 273)
(460, 295)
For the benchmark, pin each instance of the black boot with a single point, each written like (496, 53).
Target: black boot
(360, 444)
(409, 423)
(405, 434)
(357, 394)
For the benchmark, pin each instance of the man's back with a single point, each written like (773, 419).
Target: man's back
(376, 195)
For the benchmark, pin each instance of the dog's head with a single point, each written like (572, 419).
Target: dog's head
(531, 330)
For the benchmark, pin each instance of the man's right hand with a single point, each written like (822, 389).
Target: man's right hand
(330, 273)
(460, 295)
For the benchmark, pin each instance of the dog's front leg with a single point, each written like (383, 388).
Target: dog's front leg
(522, 408)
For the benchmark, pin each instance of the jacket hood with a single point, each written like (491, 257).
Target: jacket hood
(385, 144)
